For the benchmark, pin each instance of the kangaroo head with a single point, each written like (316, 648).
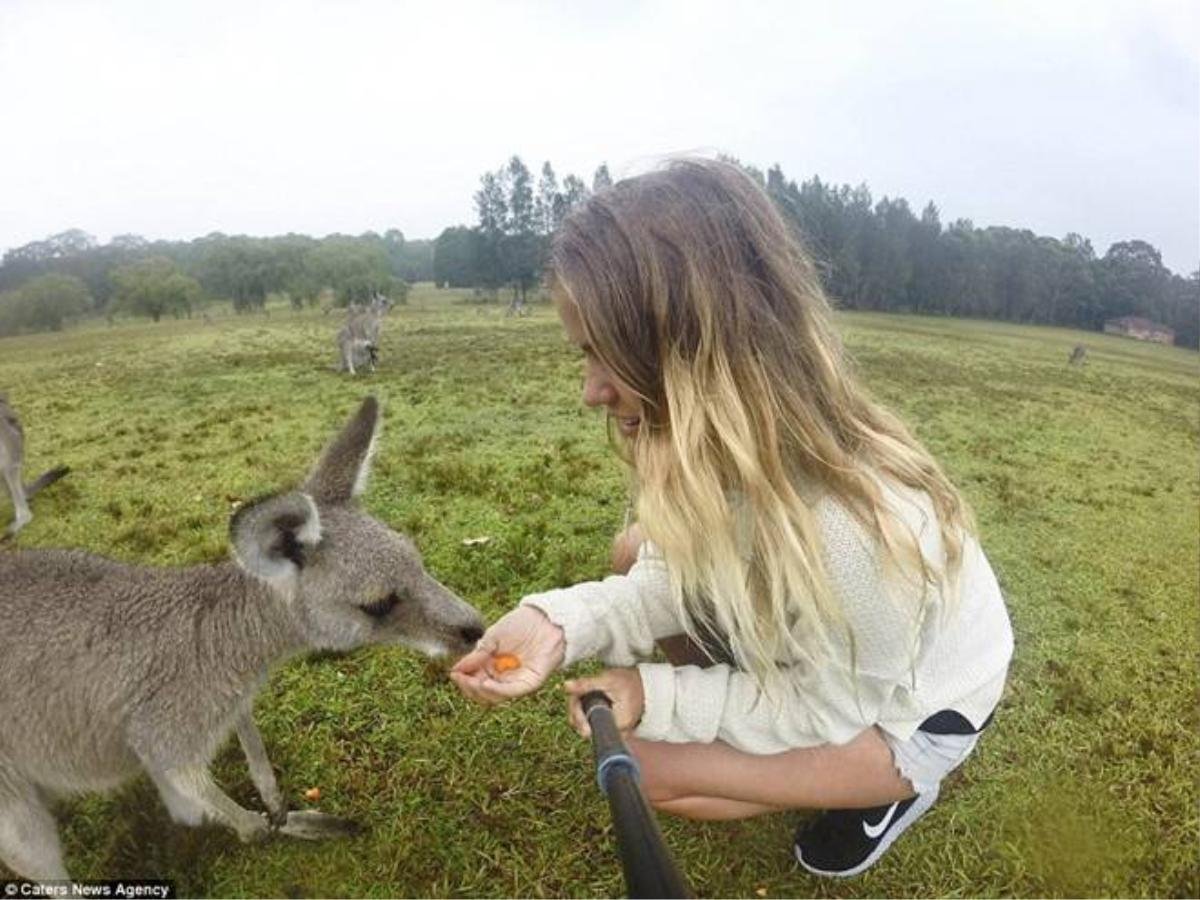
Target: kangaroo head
(347, 578)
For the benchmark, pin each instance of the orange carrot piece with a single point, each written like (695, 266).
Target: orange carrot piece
(504, 662)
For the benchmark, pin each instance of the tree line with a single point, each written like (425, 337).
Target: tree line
(872, 255)
(45, 283)
(880, 255)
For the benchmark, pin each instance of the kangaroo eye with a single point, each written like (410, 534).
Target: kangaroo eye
(380, 608)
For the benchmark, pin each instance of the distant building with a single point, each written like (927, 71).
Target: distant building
(1142, 329)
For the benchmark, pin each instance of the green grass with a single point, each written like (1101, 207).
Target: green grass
(1084, 480)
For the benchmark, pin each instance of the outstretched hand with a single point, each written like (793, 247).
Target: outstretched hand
(525, 633)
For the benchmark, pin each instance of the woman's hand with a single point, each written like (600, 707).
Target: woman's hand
(527, 634)
(624, 689)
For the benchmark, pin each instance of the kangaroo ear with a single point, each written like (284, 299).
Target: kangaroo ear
(272, 538)
(341, 473)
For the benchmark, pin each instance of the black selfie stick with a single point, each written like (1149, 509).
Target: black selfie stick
(649, 869)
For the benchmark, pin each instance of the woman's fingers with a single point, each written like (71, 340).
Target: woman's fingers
(509, 689)
(576, 688)
(576, 717)
(473, 661)
(480, 686)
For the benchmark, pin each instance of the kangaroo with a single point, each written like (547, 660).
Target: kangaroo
(1078, 355)
(12, 455)
(358, 340)
(108, 668)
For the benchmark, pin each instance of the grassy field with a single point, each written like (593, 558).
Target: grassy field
(1084, 481)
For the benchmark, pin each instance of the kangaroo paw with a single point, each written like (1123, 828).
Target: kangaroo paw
(311, 825)
(254, 828)
(278, 815)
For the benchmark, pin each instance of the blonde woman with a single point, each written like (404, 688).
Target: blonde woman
(835, 638)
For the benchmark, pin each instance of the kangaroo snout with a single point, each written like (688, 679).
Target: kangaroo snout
(450, 621)
(466, 638)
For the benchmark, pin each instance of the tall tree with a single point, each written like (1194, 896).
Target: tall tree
(520, 198)
(491, 204)
(601, 179)
(574, 192)
(522, 247)
(548, 203)
(925, 287)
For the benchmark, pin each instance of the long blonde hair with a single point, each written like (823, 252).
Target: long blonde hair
(694, 292)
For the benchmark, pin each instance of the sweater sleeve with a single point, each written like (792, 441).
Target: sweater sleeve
(618, 619)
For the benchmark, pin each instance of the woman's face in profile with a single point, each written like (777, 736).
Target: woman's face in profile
(600, 386)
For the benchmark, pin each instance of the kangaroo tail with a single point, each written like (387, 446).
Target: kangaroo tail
(45, 480)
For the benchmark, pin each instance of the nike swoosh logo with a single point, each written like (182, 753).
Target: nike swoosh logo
(874, 831)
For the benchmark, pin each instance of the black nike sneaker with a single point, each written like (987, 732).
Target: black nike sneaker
(845, 842)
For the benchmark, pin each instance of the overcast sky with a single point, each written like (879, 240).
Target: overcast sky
(175, 119)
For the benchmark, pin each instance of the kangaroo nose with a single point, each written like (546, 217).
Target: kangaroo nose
(470, 634)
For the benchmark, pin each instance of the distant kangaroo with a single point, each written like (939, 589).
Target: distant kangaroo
(358, 340)
(1078, 355)
(108, 668)
(12, 455)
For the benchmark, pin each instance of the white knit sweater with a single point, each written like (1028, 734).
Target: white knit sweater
(905, 669)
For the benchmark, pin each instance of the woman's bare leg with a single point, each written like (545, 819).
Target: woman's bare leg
(713, 808)
(715, 781)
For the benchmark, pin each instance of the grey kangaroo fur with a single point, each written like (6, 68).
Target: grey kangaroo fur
(107, 668)
(358, 340)
(12, 456)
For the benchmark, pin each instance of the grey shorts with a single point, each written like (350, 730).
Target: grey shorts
(933, 751)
